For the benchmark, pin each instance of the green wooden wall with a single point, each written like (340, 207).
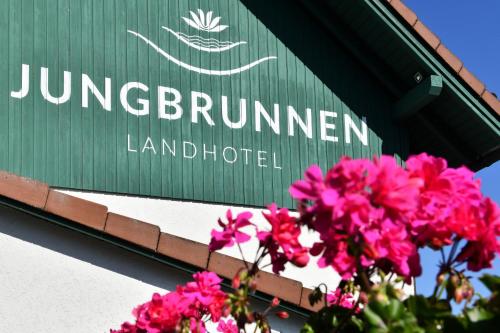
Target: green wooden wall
(70, 146)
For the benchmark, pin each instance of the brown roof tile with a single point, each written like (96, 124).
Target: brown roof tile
(224, 265)
(492, 101)
(472, 81)
(96, 216)
(452, 60)
(72, 208)
(286, 289)
(137, 232)
(275, 285)
(404, 11)
(427, 34)
(24, 190)
(185, 250)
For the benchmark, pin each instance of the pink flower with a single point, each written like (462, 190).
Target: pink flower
(282, 241)
(311, 187)
(205, 294)
(230, 231)
(361, 211)
(228, 326)
(448, 202)
(188, 305)
(128, 328)
(480, 252)
(197, 325)
(344, 300)
(348, 175)
(162, 314)
(391, 186)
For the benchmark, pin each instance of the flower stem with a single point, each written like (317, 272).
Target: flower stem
(454, 248)
(364, 280)
(242, 256)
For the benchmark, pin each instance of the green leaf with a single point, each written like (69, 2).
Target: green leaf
(492, 282)
(307, 329)
(373, 318)
(478, 314)
(424, 309)
(395, 309)
(358, 323)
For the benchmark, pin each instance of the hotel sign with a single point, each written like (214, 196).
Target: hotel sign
(162, 98)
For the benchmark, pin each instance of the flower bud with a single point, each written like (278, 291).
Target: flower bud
(282, 314)
(236, 281)
(275, 302)
(459, 296)
(250, 318)
(440, 278)
(363, 298)
(253, 285)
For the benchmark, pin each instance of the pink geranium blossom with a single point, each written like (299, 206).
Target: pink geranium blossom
(448, 202)
(204, 294)
(480, 252)
(282, 241)
(309, 188)
(341, 299)
(231, 231)
(361, 214)
(187, 306)
(228, 326)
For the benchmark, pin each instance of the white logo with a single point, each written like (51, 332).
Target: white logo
(208, 24)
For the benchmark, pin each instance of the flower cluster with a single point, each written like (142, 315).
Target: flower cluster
(451, 208)
(377, 214)
(360, 211)
(371, 218)
(342, 299)
(281, 242)
(183, 309)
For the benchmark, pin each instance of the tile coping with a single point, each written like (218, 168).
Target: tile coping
(148, 236)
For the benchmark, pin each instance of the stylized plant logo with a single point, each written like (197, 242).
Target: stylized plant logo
(208, 23)
(205, 22)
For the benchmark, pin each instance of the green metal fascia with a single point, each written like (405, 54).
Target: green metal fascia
(59, 221)
(417, 98)
(450, 79)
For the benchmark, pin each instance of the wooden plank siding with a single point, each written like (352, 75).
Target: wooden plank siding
(70, 146)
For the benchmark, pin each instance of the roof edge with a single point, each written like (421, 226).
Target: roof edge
(445, 55)
(86, 215)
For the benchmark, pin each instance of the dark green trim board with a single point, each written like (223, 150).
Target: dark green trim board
(427, 91)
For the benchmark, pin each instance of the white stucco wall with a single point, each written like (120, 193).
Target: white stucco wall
(55, 280)
(194, 221)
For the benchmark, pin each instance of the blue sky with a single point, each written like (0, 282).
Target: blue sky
(471, 30)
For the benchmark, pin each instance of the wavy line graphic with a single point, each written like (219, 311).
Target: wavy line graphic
(202, 44)
(198, 69)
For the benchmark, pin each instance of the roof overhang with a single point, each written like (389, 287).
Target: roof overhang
(458, 120)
